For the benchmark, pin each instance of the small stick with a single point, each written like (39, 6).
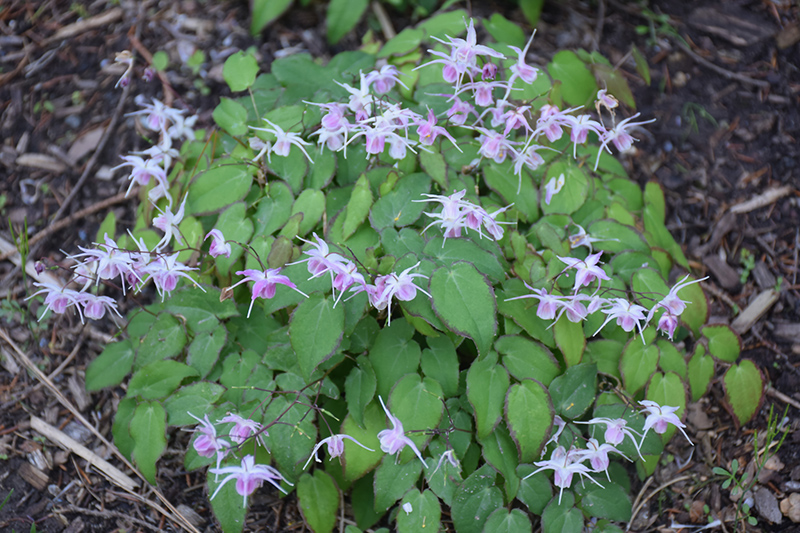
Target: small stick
(782, 397)
(719, 70)
(659, 489)
(70, 220)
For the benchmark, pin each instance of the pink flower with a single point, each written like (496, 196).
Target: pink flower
(628, 315)
(520, 69)
(335, 445)
(605, 100)
(385, 79)
(142, 170)
(165, 272)
(265, 285)
(94, 306)
(548, 303)
(243, 428)
(619, 136)
(57, 299)
(671, 303)
(428, 131)
(563, 464)
(616, 430)
(587, 269)
(659, 417)
(218, 245)
(208, 444)
(598, 455)
(459, 112)
(283, 141)
(394, 440)
(249, 476)
(667, 324)
(168, 223)
(392, 285)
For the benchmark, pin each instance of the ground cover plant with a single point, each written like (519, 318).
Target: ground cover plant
(451, 316)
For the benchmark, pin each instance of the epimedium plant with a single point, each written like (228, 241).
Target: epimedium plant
(429, 268)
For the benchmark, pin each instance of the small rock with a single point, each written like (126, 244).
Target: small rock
(791, 507)
(767, 506)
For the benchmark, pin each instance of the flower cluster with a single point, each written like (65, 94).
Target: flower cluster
(628, 315)
(565, 463)
(458, 214)
(154, 163)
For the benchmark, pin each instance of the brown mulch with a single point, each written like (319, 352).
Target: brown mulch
(727, 102)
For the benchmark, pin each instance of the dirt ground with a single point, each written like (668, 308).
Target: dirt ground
(725, 89)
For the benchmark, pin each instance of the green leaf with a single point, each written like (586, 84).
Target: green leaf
(487, 384)
(464, 300)
(443, 478)
(641, 64)
(523, 312)
(110, 367)
(239, 73)
(667, 389)
(504, 31)
(197, 398)
(649, 282)
(616, 237)
(425, 514)
(475, 500)
(357, 207)
(228, 505)
(529, 413)
(637, 364)
(359, 389)
(486, 262)
(418, 403)
(502, 180)
(396, 208)
(273, 209)
(403, 43)
(158, 379)
(343, 15)
(394, 355)
(606, 354)
(532, 9)
(524, 358)
(166, 338)
(570, 340)
(311, 203)
(148, 429)
(701, 370)
(356, 460)
(264, 12)
(292, 440)
(744, 387)
(159, 62)
(319, 501)
(121, 427)
(200, 310)
(560, 516)
(696, 312)
(573, 392)
(670, 359)
(393, 480)
(440, 362)
(205, 348)
(504, 521)
(108, 226)
(315, 331)
(534, 491)
(578, 85)
(574, 192)
(609, 501)
(500, 451)
(723, 342)
(217, 188)
(231, 116)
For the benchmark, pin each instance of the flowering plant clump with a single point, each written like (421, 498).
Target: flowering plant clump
(429, 268)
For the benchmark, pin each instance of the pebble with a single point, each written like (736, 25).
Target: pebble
(767, 506)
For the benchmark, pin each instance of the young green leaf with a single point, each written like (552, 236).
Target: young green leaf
(319, 500)
(315, 331)
(529, 413)
(744, 390)
(148, 430)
